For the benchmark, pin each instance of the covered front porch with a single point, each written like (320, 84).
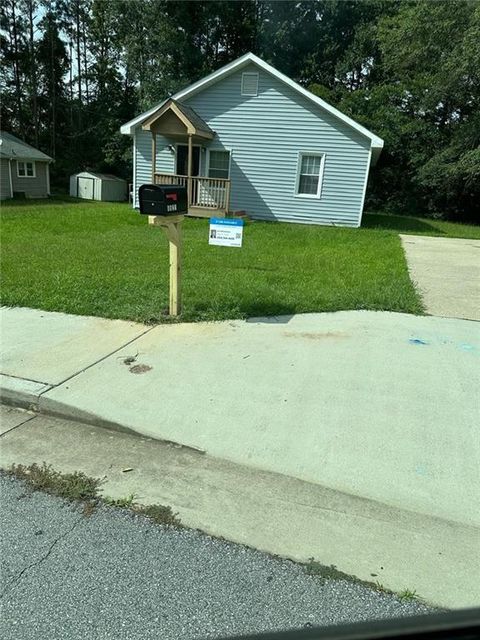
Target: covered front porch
(208, 195)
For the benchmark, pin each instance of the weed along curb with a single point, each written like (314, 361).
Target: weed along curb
(79, 488)
(331, 572)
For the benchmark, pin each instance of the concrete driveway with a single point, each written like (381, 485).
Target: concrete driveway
(447, 273)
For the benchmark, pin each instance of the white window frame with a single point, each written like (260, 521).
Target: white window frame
(249, 73)
(25, 162)
(207, 168)
(301, 154)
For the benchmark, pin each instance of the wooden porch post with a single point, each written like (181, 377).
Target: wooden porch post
(189, 170)
(154, 155)
(227, 198)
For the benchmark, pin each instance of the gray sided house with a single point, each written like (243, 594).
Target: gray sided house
(24, 169)
(247, 138)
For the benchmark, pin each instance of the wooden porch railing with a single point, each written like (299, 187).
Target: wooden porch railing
(209, 193)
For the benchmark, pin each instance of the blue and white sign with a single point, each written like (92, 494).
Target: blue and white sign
(225, 232)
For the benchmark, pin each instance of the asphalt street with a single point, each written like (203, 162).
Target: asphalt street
(116, 575)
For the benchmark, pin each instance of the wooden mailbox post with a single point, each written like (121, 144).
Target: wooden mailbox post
(172, 226)
(166, 206)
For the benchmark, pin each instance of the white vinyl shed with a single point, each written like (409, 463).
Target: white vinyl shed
(98, 186)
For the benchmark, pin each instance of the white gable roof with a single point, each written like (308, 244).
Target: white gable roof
(376, 142)
(95, 174)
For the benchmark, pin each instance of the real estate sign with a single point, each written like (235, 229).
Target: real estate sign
(225, 232)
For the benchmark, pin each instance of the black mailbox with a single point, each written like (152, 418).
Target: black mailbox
(162, 200)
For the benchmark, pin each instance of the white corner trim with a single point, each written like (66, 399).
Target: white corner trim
(48, 178)
(367, 173)
(10, 176)
(134, 181)
(240, 62)
(314, 196)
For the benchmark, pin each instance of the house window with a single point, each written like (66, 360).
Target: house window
(249, 84)
(219, 164)
(25, 169)
(310, 174)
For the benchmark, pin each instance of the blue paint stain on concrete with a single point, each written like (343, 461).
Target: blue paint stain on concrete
(417, 341)
(467, 347)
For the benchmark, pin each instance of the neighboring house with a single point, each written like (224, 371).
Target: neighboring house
(24, 169)
(248, 138)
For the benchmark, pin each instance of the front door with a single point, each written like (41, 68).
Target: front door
(182, 160)
(182, 168)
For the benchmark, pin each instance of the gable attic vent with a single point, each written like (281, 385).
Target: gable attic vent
(249, 84)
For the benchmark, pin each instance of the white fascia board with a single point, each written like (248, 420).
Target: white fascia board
(376, 142)
(213, 77)
(128, 127)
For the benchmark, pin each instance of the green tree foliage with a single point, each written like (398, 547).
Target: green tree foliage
(52, 63)
(74, 70)
(14, 63)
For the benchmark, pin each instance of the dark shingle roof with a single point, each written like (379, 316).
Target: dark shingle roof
(13, 147)
(198, 122)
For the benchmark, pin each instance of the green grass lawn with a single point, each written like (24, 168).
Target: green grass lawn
(104, 259)
(419, 226)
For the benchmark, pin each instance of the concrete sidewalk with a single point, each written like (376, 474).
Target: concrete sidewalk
(378, 405)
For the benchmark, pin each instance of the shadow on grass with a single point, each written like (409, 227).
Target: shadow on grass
(272, 308)
(47, 202)
(271, 313)
(390, 222)
(268, 318)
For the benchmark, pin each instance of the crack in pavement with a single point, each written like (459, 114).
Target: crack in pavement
(17, 426)
(93, 364)
(15, 580)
